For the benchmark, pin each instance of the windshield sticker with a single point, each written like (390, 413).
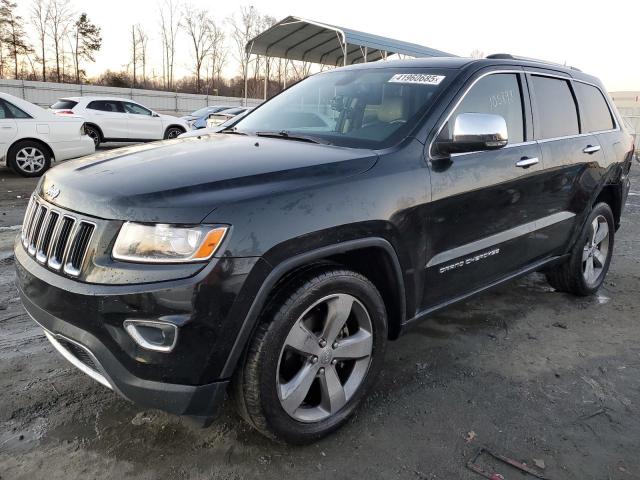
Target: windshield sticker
(419, 78)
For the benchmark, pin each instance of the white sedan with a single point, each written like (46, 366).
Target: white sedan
(31, 138)
(113, 119)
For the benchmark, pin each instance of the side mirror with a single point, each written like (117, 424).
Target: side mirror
(474, 132)
(154, 114)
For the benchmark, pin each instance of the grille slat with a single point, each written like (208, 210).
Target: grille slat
(78, 248)
(36, 228)
(42, 252)
(55, 238)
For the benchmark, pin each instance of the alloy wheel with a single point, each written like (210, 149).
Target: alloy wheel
(94, 135)
(173, 133)
(30, 159)
(596, 250)
(325, 358)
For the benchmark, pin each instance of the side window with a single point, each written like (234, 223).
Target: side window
(105, 106)
(594, 111)
(499, 94)
(556, 107)
(136, 109)
(11, 111)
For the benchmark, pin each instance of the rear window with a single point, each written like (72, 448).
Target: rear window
(594, 111)
(64, 105)
(557, 111)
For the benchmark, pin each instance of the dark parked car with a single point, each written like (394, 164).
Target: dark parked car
(275, 261)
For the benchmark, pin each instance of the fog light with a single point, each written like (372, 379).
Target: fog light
(152, 335)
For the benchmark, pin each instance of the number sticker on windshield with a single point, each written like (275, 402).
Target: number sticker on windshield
(419, 78)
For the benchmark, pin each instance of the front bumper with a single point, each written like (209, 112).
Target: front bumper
(85, 324)
(101, 365)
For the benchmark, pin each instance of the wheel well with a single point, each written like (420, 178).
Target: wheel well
(36, 140)
(375, 264)
(610, 194)
(89, 124)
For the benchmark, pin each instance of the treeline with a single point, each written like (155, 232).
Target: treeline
(61, 42)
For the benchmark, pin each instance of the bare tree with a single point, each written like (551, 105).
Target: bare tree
(39, 21)
(12, 32)
(134, 54)
(87, 41)
(244, 29)
(476, 53)
(170, 19)
(198, 24)
(142, 51)
(60, 17)
(218, 54)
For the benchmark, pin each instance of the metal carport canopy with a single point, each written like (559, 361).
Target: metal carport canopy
(295, 38)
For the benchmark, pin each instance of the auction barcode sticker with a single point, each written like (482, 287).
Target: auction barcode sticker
(419, 78)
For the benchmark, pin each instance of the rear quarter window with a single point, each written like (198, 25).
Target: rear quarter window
(557, 112)
(594, 111)
(64, 105)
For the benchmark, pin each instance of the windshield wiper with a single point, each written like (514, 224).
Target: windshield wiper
(286, 135)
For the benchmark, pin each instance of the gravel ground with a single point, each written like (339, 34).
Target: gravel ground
(536, 375)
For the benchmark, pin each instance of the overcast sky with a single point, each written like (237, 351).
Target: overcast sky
(601, 38)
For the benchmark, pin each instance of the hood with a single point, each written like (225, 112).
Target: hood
(171, 119)
(183, 180)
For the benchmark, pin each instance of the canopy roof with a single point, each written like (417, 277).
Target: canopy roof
(295, 38)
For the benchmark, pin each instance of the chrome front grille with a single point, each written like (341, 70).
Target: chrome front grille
(55, 238)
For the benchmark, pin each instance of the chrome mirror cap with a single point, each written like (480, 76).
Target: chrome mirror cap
(476, 132)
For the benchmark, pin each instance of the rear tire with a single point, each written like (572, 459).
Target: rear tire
(299, 395)
(94, 133)
(28, 158)
(589, 260)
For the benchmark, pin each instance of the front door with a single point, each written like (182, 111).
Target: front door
(486, 218)
(143, 125)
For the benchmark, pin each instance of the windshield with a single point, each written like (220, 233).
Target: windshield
(370, 108)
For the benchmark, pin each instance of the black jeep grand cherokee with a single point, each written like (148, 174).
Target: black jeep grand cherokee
(276, 259)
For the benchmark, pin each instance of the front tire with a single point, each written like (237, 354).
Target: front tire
(317, 350)
(173, 132)
(589, 261)
(29, 159)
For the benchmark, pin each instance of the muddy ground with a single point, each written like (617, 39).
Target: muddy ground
(536, 375)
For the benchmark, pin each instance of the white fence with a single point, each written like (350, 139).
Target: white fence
(47, 93)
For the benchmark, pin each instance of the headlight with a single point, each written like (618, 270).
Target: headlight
(163, 243)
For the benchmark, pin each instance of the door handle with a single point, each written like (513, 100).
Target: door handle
(526, 162)
(591, 149)
(6, 127)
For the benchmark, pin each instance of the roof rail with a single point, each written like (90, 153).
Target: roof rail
(508, 56)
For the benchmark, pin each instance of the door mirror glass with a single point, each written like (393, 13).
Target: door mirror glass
(474, 132)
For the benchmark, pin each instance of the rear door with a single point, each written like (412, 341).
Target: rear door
(573, 156)
(110, 116)
(142, 124)
(487, 217)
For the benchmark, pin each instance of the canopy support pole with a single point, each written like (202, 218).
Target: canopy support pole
(246, 74)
